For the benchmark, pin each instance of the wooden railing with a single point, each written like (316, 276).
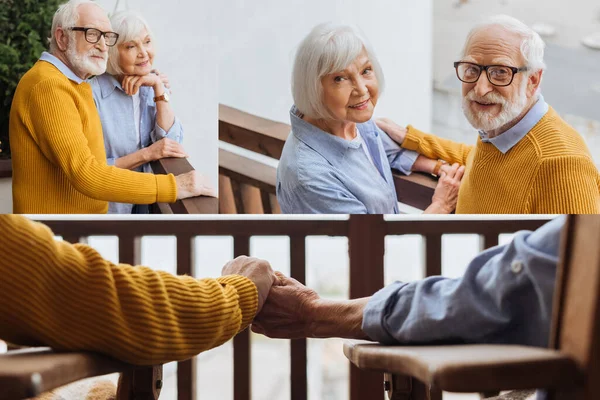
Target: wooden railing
(366, 240)
(194, 205)
(247, 186)
(5, 169)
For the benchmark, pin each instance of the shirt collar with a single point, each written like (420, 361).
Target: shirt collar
(108, 84)
(507, 140)
(331, 147)
(61, 66)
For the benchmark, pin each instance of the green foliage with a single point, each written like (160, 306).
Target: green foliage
(24, 28)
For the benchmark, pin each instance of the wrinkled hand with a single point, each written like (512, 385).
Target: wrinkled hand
(446, 191)
(288, 310)
(131, 83)
(192, 184)
(257, 270)
(163, 78)
(396, 132)
(165, 148)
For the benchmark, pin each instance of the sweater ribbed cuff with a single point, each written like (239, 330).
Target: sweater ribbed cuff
(248, 296)
(166, 186)
(412, 138)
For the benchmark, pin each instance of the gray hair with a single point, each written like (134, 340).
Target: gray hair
(129, 25)
(532, 45)
(66, 17)
(327, 49)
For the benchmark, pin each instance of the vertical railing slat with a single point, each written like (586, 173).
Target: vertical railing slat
(242, 371)
(298, 346)
(366, 244)
(433, 254)
(186, 370)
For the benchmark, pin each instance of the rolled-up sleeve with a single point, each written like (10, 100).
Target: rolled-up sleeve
(505, 296)
(175, 132)
(399, 158)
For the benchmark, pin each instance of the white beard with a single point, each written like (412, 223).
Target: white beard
(84, 63)
(485, 121)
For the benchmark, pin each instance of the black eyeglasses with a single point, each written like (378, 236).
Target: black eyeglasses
(498, 75)
(93, 35)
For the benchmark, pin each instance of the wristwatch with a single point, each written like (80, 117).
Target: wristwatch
(164, 97)
(438, 166)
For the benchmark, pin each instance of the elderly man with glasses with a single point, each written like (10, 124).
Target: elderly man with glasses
(59, 160)
(526, 159)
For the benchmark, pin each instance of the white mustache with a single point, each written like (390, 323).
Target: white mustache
(96, 53)
(488, 98)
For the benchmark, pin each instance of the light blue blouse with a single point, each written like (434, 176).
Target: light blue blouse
(320, 173)
(118, 126)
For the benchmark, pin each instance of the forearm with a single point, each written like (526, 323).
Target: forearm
(339, 319)
(424, 164)
(134, 314)
(165, 117)
(435, 147)
(133, 160)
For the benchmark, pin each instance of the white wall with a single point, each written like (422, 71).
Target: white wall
(5, 196)
(258, 41)
(187, 53)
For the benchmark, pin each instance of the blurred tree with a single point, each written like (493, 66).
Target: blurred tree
(24, 36)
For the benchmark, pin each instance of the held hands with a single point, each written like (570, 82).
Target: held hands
(164, 148)
(445, 195)
(192, 184)
(396, 132)
(288, 311)
(257, 270)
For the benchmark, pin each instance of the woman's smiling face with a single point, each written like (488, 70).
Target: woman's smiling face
(136, 56)
(350, 95)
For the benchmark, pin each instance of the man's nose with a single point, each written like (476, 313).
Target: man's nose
(101, 44)
(483, 85)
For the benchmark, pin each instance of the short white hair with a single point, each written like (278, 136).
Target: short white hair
(129, 25)
(532, 46)
(66, 17)
(327, 49)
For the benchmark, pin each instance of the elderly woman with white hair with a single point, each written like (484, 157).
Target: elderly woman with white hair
(336, 159)
(138, 122)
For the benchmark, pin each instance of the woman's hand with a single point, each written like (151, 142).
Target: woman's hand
(446, 192)
(164, 148)
(163, 77)
(131, 83)
(396, 132)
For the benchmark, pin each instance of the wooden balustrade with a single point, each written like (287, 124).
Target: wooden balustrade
(247, 185)
(5, 169)
(366, 240)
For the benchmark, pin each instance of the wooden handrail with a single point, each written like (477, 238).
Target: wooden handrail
(267, 137)
(5, 169)
(193, 205)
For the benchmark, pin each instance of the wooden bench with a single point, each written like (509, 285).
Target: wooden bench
(248, 152)
(569, 368)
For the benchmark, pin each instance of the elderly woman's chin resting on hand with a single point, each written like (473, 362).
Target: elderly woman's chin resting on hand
(336, 159)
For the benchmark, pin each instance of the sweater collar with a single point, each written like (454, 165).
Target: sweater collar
(507, 140)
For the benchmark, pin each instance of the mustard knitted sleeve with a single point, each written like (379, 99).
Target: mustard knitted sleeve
(565, 185)
(68, 297)
(55, 119)
(435, 147)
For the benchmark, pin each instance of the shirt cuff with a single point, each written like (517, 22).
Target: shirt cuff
(175, 132)
(376, 311)
(111, 161)
(405, 161)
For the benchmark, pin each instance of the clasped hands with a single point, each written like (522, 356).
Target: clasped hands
(288, 309)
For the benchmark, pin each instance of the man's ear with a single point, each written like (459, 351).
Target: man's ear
(533, 82)
(62, 39)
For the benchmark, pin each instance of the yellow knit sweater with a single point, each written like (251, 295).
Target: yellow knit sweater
(68, 297)
(58, 156)
(550, 171)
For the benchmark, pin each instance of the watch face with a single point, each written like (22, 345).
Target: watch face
(167, 96)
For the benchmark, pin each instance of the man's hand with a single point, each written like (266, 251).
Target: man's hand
(294, 311)
(192, 184)
(396, 132)
(257, 270)
(288, 312)
(446, 192)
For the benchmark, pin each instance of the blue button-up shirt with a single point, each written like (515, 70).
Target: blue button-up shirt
(323, 174)
(118, 126)
(505, 296)
(507, 140)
